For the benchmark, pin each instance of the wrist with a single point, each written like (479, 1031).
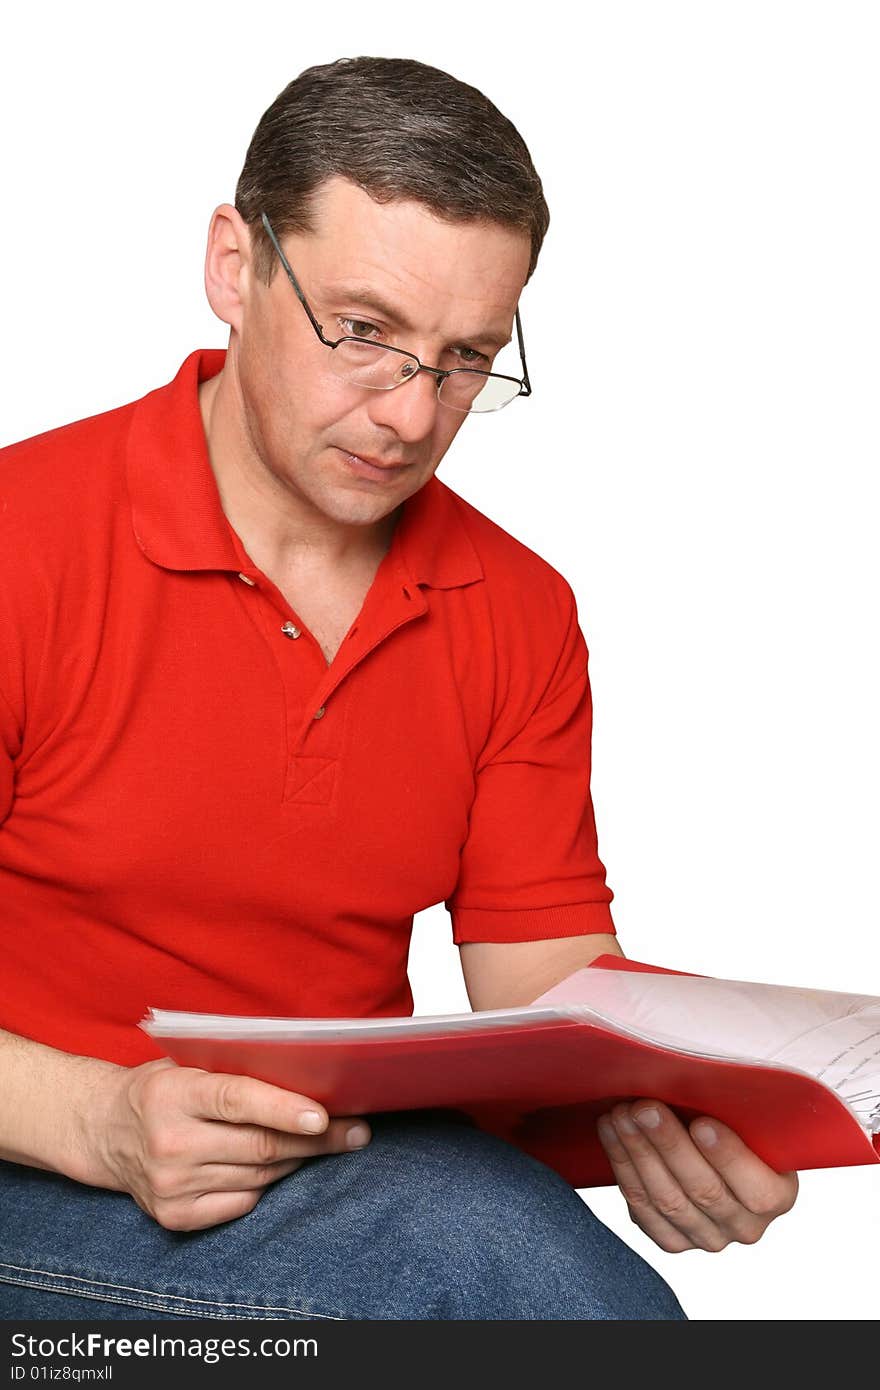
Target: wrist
(96, 1088)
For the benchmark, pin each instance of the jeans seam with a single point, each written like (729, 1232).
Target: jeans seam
(90, 1288)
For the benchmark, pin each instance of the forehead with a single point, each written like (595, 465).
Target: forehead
(404, 251)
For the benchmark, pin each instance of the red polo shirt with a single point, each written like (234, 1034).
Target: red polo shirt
(196, 812)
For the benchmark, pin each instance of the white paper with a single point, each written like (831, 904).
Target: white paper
(832, 1036)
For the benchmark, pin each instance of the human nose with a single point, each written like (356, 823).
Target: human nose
(410, 408)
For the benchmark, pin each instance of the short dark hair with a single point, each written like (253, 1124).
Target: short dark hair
(399, 129)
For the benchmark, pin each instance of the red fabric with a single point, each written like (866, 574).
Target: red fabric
(178, 830)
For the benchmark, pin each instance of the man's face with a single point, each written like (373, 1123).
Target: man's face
(455, 284)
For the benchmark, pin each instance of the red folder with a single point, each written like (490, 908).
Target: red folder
(542, 1087)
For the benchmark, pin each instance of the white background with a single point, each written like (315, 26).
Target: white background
(699, 457)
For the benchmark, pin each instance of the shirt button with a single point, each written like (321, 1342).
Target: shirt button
(244, 579)
(290, 631)
(319, 713)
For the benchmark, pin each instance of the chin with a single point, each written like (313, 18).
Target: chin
(351, 507)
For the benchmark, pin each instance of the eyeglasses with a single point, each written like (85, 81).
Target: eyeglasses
(381, 368)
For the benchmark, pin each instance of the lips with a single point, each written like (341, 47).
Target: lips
(376, 463)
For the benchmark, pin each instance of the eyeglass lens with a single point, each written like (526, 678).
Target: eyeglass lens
(376, 367)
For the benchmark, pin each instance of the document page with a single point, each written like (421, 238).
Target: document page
(834, 1037)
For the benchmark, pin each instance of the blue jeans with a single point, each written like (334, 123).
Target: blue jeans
(433, 1219)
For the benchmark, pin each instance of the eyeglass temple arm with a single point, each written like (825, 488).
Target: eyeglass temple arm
(293, 280)
(527, 385)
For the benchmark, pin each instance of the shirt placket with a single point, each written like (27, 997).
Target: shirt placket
(317, 696)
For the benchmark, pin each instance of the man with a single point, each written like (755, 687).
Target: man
(268, 689)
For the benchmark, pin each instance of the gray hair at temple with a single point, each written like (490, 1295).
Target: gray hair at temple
(400, 130)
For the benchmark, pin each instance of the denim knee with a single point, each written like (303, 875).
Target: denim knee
(485, 1231)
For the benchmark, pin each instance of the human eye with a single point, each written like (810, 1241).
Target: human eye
(475, 358)
(354, 325)
(362, 328)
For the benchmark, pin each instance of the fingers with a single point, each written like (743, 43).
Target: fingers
(656, 1203)
(183, 1194)
(208, 1209)
(753, 1183)
(249, 1144)
(242, 1177)
(202, 1147)
(239, 1119)
(244, 1100)
(262, 1149)
(674, 1188)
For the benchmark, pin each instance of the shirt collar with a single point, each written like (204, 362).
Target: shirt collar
(179, 522)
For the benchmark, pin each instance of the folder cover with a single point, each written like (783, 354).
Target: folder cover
(794, 1072)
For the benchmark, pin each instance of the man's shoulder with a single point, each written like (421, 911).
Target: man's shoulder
(514, 572)
(531, 611)
(51, 478)
(60, 451)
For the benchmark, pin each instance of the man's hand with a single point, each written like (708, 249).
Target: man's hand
(195, 1148)
(686, 1190)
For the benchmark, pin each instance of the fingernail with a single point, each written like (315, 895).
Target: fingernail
(312, 1121)
(625, 1124)
(649, 1118)
(606, 1130)
(357, 1136)
(706, 1135)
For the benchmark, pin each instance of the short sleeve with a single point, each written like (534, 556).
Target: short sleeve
(530, 867)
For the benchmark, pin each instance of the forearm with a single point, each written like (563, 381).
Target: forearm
(47, 1101)
(507, 975)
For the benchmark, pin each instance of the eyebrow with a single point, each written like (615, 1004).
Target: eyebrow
(364, 294)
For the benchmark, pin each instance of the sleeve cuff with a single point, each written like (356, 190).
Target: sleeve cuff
(532, 924)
